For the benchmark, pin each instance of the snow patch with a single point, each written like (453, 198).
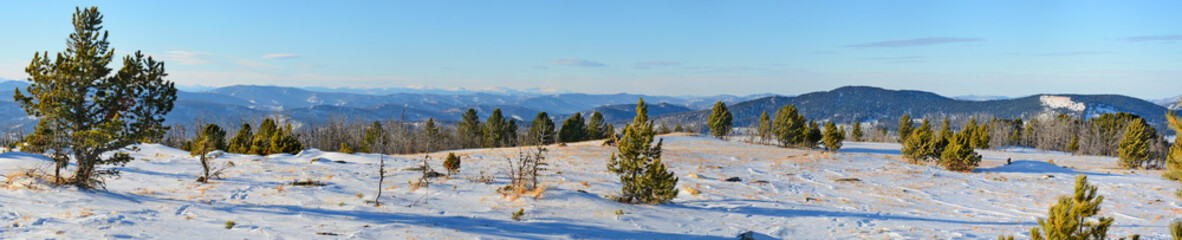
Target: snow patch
(1054, 102)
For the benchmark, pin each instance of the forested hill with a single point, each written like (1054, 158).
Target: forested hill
(872, 104)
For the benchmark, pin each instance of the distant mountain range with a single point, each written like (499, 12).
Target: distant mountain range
(885, 107)
(1171, 103)
(844, 105)
(243, 102)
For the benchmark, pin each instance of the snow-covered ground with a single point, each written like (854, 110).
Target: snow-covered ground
(784, 193)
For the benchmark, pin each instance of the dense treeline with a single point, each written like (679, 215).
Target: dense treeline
(392, 136)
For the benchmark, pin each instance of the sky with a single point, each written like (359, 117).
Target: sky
(953, 48)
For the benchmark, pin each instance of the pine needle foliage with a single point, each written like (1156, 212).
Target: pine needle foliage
(241, 141)
(542, 129)
(959, 155)
(469, 129)
(906, 127)
(94, 110)
(1134, 146)
(211, 138)
(638, 163)
(833, 137)
(1176, 230)
(574, 129)
(719, 121)
(789, 126)
(765, 127)
(857, 133)
(1174, 160)
(452, 163)
(1068, 219)
(597, 128)
(374, 138)
(918, 146)
(813, 136)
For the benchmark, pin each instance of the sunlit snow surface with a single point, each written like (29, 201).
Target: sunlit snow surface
(784, 193)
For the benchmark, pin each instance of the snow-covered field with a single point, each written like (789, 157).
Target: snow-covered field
(784, 193)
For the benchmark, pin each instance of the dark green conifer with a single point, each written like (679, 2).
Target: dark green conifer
(638, 163)
(856, 133)
(597, 127)
(1134, 147)
(452, 163)
(542, 129)
(765, 127)
(918, 146)
(905, 127)
(959, 155)
(91, 108)
(573, 129)
(833, 137)
(496, 130)
(241, 141)
(211, 138)
(261, 142)
(719, 121)
(1068, 219)
(375, 138)
(469, 129)
(813, 137)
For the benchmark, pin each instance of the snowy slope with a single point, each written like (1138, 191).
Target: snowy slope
(784, 194)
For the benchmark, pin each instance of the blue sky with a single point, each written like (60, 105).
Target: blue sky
(1008, 48)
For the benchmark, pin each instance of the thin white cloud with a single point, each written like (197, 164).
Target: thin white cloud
(916, 42)
(653, 64)
(576, 62)
(281, 56)
(187, 57)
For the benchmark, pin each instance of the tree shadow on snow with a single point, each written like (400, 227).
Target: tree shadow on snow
(476, 225)
(783, 212)
(499, 228)
(1034, 167)
(871, 151)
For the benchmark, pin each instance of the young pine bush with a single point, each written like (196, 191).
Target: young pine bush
(918, 145)
(1174, 160)
(1068, 219)
(1134, 146)
(833, 137)
(452, 163)
(345, 149)
(639, 165)
(211, 138)
(959, 154)
(719, 121)
(1176, 230)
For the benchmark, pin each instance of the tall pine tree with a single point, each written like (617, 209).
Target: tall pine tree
(469, 129)
(241, 141)
(905, 127)
(75, 96)
(375, 138)
(1134, 147)
(719, 121)
(856, 133)
(211, 138)
(833, 137)
(638, 163)
(573, 129)
(765, 127)
(496, 130)
(542, 129)
(1068, 219)
(789, 127)
(597, 127)
(918, 146)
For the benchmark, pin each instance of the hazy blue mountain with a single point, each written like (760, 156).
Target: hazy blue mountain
(872, 104)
